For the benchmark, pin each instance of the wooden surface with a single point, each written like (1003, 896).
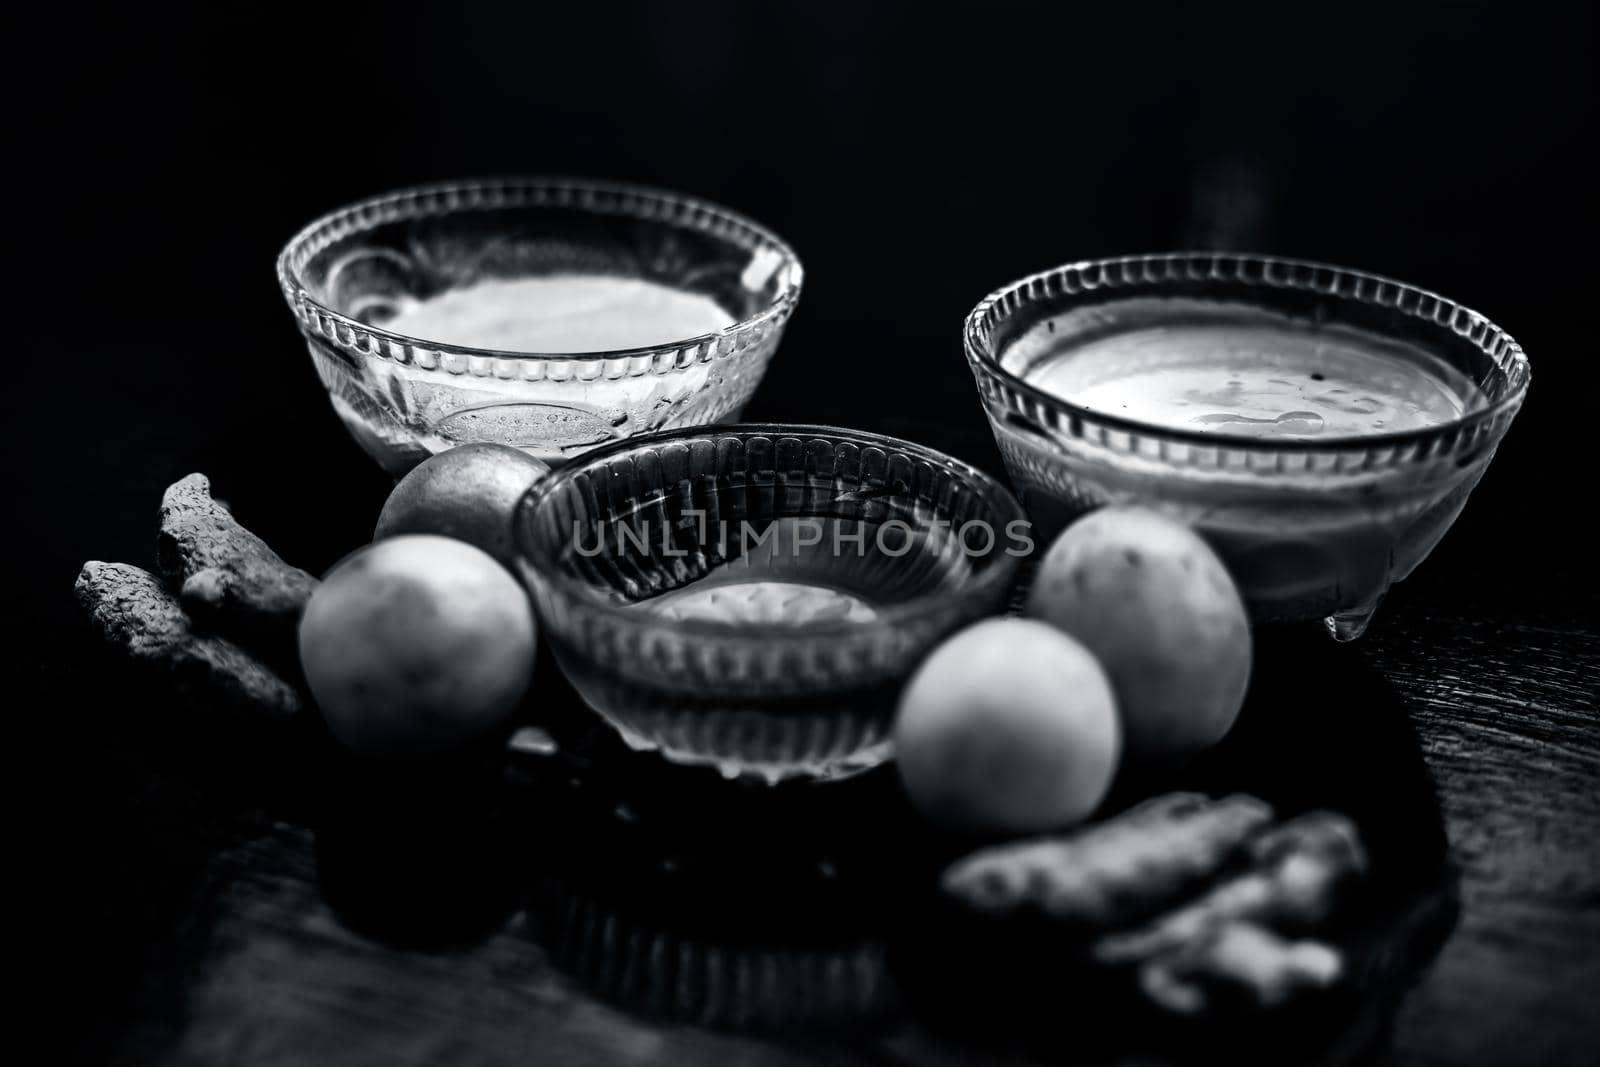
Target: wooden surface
(189, 899)
(917, 157)
(221, 938)
(1506, 712)
(196, 923)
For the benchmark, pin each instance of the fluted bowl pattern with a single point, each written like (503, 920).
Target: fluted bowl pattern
(404, 398)
(788, 693)
(1311, 528)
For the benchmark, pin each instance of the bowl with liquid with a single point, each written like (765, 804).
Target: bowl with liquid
(1321, 427)
(548, 314)
(752, 597)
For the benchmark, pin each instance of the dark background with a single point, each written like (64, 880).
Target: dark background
(917, 156)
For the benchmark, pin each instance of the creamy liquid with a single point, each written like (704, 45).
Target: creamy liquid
(764, 602)
(1248, 373)
(789, 577)
(561, 313)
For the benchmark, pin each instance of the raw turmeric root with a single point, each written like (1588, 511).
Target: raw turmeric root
(1298, 875)
(1114, 872)
(133, 611)
(225, 574)
(1240, 962)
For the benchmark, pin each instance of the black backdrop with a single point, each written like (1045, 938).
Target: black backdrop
(916, 155)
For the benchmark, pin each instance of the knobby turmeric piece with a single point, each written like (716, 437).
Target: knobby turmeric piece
(225, 574)
(1298, 874)
(134, 612)
(1114, 872)
(1242, 962)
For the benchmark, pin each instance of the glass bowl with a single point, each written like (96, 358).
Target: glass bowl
(752, 597)
(405, 398)
(1311, 527)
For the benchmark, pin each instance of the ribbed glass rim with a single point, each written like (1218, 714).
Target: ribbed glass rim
(1134, 272)
(541, 557)
(435, 199)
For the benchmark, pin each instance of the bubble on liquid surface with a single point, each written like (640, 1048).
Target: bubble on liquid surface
(1250, 372)
(1300, 423)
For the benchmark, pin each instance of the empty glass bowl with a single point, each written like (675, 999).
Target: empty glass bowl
(752, 597)
(1311, 524)
(404, 398)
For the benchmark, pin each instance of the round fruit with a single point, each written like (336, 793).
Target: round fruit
(1155, 605)
(415, 645)
(468, 493)
(1009, 727)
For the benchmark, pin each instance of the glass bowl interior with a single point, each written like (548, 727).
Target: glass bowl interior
(369, 261)
(753, 596)
(1084, 301)
(900, 528)
(1314, 525)
(350, 274)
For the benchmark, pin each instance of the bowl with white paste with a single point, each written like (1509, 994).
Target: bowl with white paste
(1321, 427)
(753, 597)
(549, 314)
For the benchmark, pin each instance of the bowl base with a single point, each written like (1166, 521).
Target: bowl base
(1351, 624)
(770, 772)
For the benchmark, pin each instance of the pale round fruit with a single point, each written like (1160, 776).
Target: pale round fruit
(417, 645)
(1008, 727)
(468, 492)
(1156, 606)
